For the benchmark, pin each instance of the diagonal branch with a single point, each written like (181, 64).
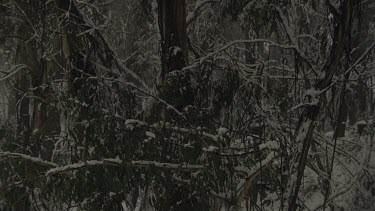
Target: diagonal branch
(14, 70)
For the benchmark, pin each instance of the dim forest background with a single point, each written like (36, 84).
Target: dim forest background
(187, 105)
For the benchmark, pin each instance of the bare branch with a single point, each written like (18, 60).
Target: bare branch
(14, 70)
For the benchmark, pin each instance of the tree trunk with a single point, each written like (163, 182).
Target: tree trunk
(172, 25)
(174, 88)
(26, 54)
(308, 118)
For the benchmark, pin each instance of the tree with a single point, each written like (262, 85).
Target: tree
(186, 105)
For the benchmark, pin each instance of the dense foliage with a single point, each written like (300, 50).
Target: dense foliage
(187, 105)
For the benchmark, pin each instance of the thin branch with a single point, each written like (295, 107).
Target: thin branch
(13, 71)
(350, 68)
(230, 44)
(118, 162)
(252, 176)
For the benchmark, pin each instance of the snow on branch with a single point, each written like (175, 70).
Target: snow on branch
(185, 130)
(182, 167)
(118, 162)
(27, 158)
(312, 97)
(142, 164)
(166, 125)
(245, 186)
(75, 166)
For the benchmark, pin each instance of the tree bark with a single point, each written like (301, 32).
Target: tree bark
(172, 25)
(174, 88)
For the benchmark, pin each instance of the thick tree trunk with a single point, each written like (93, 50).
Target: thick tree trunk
(174, 87)
(172, 26)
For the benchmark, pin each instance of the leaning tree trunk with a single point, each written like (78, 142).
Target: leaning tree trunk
(342, 27)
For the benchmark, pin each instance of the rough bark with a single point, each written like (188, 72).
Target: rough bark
(172, 26)
(174, 87)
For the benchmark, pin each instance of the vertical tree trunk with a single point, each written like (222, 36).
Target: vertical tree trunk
(175, 88)
(27, 55)
(172, 25)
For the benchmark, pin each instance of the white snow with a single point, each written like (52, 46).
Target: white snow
(151, 135)
(176, 50)
(221, 131)
(28, 158)
(210, 148)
